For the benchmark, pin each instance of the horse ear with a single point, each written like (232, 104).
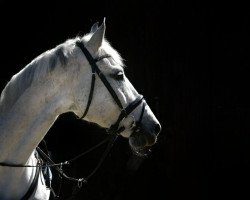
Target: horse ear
(94, 27)
(98, 36)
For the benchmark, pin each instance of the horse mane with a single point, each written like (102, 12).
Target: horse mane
(39, 68)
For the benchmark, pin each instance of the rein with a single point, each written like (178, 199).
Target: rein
(59, 167)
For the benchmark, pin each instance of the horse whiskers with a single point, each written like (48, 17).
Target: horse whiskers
(142, 152)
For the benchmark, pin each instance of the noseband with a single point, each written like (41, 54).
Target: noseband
(114, 128)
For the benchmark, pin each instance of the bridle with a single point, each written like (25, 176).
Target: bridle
(114, 128)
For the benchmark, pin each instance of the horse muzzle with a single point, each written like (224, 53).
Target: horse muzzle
(143, 138)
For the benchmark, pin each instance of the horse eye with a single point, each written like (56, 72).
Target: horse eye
(119, 76)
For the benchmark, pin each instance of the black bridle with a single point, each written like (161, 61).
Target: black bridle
(114, 128)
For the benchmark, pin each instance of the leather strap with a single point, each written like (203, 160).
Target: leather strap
(125, 112)
(32, 186)
(96, 70)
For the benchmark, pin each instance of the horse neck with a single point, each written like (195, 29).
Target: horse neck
(29, 119)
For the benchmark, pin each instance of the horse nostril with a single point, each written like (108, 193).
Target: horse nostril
(157, 128)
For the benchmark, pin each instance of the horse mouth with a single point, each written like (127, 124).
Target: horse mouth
(141, 144)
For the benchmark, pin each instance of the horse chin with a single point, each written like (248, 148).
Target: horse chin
(140, 144)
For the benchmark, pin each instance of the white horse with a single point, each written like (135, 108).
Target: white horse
(58, 81)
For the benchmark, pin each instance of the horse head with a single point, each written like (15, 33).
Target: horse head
(105, 96)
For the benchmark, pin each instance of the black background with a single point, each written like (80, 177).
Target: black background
(189, 59)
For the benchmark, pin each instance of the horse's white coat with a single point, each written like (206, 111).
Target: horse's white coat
(56, 82)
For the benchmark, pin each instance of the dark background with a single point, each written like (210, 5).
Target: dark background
(189, 59)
